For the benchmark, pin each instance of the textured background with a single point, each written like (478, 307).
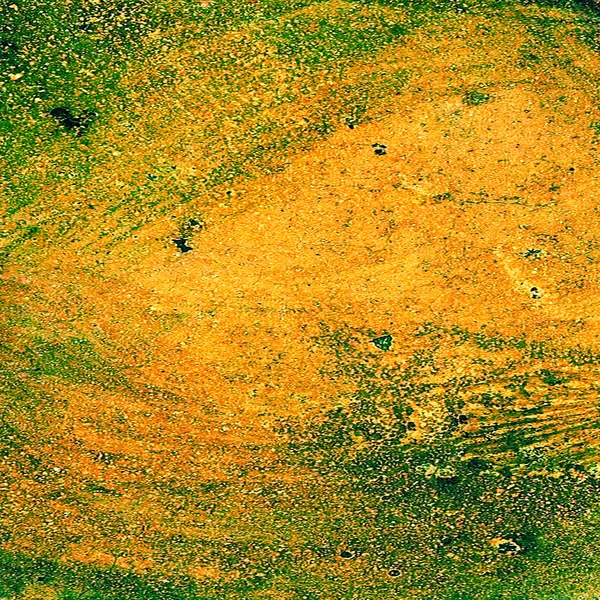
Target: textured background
(218, 423)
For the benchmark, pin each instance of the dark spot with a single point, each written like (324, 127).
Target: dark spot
(532, 253)
(550, 378)
(5, 535)
(42, 92)
(69, 121)
(446, 541)
(100, 489)
(61, 113)
(459, 420)
(108, 458)
(85, 27)
(397, 29)
(442, 197)
(347, 554)
(526, 541)
(181, 244)
(194, 224)
(411, 426)
(506, 471)
(393, 573)
(7, 49)
(380, 149)
(575, 467)
(475, 98)
(535, 293)
(152, 177)
(476, 464)
(509, 547)
(87, 116)
(383, 342)
(447, 481)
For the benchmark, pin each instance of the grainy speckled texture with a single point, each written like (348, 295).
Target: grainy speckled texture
(299, 300)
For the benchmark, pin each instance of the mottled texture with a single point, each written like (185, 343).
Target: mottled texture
(299, 300)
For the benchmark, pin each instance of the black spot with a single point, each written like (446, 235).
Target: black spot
(509, 547)
(88, 116)
(380, 149)
(152, 177)
(448, 481)
(194, 224)
(383, 342)
(526, 540)
(575, 467)
(535, 293)
(550, 378)
(8, 50)
(347, 554)
(442, 197)
(69, 121)
(476, 464)
(532, 253)
(60, 113)
(181, 244)
(462, 419)
(393, 573)
(108, 458)
(411, 426)
(65, 118)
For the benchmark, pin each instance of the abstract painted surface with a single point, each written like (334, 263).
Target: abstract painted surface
(299, 300)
